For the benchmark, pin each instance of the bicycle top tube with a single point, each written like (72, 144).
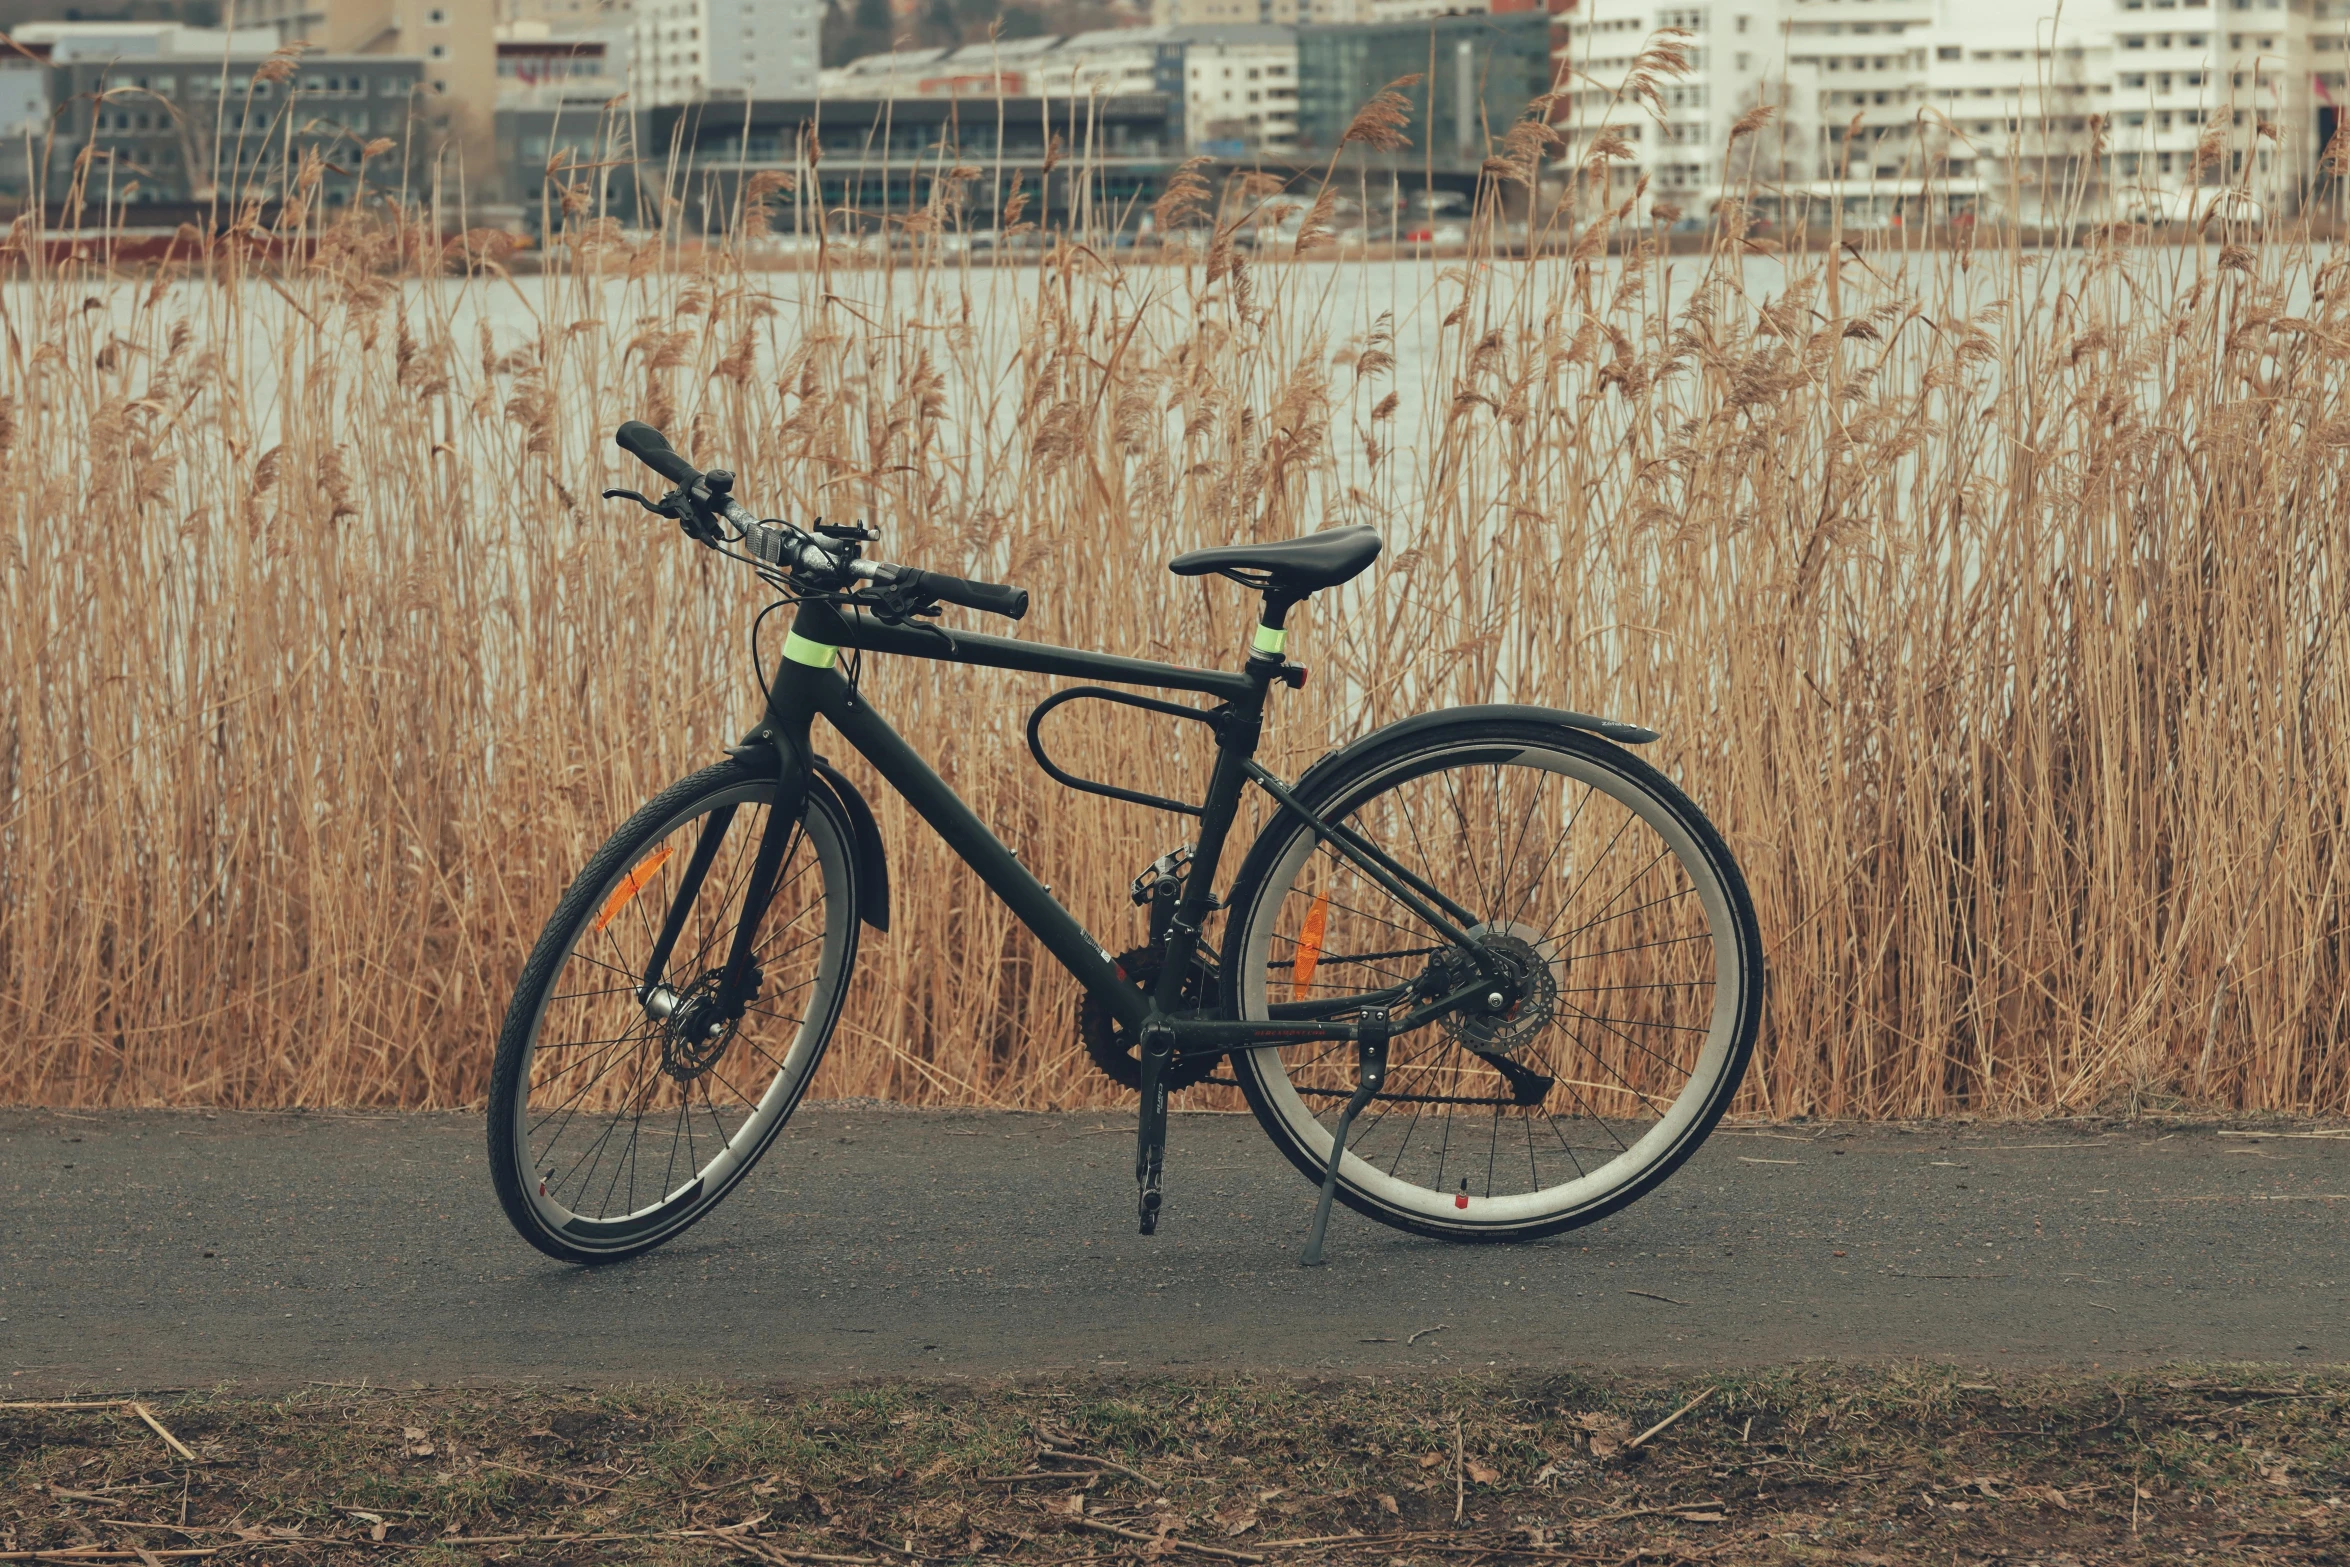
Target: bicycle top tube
(819, 627)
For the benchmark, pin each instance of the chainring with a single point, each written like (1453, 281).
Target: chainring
(1112, 1048)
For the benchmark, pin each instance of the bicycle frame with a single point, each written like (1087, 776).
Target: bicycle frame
(808, 684)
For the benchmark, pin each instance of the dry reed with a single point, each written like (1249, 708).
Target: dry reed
(1988, 598)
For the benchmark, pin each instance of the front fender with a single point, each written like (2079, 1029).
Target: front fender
(871, 863)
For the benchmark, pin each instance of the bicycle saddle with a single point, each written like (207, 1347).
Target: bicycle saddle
(1293, 567)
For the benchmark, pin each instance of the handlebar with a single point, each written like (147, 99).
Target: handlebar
(794, 550)
(650, 447)
(993, 597)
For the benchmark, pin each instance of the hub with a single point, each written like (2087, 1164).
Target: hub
(1528, 1001)
(699, 1027)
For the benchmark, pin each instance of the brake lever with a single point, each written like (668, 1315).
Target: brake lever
(631, 495)
(895, 605)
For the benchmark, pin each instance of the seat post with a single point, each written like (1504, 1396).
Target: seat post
(1268, 645)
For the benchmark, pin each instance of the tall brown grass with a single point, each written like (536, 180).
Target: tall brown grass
(1988, 597)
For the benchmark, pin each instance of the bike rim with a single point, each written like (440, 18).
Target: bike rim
(1648, 981)
(626, 1127)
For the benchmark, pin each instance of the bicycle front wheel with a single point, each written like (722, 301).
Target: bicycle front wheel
(1619, 916)
(624, 1104)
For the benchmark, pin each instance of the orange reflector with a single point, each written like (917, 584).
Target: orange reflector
(632, 884)
(1309, 947)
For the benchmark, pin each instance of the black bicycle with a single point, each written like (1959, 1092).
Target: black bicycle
(1484, 976)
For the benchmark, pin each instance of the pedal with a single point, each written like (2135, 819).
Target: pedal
(1371, 1072)
(1159, 889)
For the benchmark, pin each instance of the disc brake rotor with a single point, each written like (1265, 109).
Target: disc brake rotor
(1537, 980)
(697, 1032)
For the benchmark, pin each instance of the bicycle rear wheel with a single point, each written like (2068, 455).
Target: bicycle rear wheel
(1626, 930)
(617, 1118)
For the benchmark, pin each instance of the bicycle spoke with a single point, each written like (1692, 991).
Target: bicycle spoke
(1608, 1029)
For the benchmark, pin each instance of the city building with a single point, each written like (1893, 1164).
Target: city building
(1261, 13)
(764, 48)
(1732, 49)
(181, 116)
(562, 16)
(670, 45)
(455, 40)
(1894, 111)
(1234, 88)
(893, 155)
(681, 50)
(1478, 74)
(1239, 88)
(537, 65)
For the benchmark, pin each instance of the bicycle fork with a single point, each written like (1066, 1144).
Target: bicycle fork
(739, 979)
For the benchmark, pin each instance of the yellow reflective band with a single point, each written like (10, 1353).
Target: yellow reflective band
(1270, 640)
(816, 655)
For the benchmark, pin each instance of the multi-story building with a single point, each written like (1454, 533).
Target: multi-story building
(537, 64)
(1266, 13)
(670, 46)
(1476, 75)
(883, 156)
(1733, 49)
(682, 50)
(763, 48)
(1893, 111)
(455, 40)
(173, 116)
(1239, 88)
(1234, 89)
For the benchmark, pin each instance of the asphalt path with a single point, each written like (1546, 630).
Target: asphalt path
(151, 1250)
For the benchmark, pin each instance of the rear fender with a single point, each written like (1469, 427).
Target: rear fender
(1341, 759)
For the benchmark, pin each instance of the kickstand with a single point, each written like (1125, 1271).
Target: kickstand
(1371, 1040)
(1150, 1131)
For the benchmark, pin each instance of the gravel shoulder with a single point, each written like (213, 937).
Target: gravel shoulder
(187, 1249)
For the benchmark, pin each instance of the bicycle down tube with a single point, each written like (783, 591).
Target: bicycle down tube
(807, 683)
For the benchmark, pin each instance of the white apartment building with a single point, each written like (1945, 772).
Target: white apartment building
(1898, 111)
(1239, 88)
(683, 50)
(763, 48)
(1735, 52)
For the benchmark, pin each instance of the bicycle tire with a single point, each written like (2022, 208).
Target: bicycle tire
(1458, 1067)
(534, 1111)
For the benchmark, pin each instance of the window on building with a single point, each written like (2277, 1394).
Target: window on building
(1949, 52)
(436, 17)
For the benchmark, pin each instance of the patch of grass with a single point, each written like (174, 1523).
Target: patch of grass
(1803, 1464)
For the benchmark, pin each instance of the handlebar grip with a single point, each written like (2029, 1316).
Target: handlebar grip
(650, 447)
(992, 597)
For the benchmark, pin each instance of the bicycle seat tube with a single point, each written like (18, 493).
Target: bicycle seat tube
(1237, 732)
